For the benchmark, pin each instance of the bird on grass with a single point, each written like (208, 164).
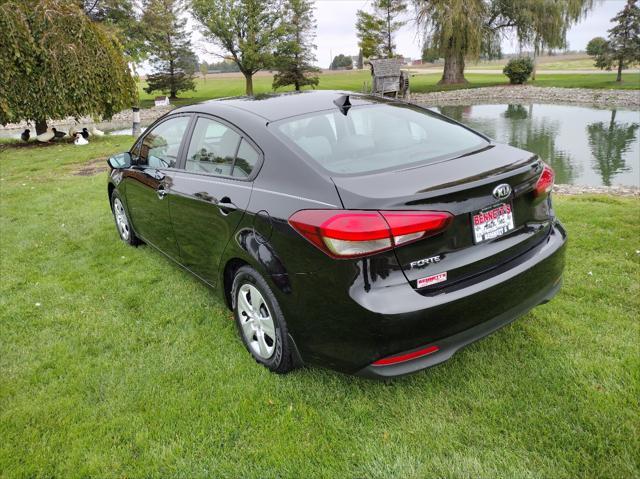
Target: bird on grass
(58, 134)
(26, 134)
(85, 133)
(80, 139)
(95, 132)
(45, 137)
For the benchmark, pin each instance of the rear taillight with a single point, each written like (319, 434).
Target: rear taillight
(544, 185)
(353, 233)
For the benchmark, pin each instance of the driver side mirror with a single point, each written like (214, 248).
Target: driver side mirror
(120, 161)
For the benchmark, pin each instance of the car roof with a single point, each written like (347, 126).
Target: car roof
(276, 106)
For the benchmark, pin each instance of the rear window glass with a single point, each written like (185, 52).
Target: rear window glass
(372, 138)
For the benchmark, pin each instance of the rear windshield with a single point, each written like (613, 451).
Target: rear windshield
(377, 137)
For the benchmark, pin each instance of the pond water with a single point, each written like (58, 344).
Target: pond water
(585, 146)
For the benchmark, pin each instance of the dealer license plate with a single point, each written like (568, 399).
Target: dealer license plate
(492, 222)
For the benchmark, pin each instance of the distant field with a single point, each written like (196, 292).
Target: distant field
(226, 85)
(569, 62)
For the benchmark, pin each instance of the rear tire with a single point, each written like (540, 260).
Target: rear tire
(123, 225)
(260, 321)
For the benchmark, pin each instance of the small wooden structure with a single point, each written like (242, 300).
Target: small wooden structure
(162, 101)
(387, 79)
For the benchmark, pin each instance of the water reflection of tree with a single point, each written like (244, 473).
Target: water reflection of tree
(608, 144)
(516, 112)
(539, 137)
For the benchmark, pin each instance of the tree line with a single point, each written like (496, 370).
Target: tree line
(76, 57)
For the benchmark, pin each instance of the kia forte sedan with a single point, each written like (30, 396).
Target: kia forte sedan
(358, 233)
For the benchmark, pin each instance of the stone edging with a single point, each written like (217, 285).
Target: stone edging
(630, 191)
(532, 94)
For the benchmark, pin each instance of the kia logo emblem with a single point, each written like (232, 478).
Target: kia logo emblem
(502, 191)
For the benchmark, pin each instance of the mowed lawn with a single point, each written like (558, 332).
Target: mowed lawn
(115, 363)
(224, 86)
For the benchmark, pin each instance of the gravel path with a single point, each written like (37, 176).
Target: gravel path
(532, 94)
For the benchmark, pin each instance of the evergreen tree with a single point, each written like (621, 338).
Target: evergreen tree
(376, 30)
(294, 55)
(171, 55)
(248, 30)
(55, 62)
(389, 11)
(623, 46)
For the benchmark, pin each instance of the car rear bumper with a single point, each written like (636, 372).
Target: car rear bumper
(447, 347)
(351, 332)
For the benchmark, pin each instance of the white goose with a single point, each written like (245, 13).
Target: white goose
(95, 132)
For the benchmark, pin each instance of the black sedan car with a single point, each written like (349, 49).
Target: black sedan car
(363, 234)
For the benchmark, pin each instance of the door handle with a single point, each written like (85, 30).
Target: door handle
(161, 192)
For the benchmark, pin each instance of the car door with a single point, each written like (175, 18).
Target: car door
(148, 183)
(212, 191)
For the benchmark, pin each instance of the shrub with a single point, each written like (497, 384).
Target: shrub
(518, 70)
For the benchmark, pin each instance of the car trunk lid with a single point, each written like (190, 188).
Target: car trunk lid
(463, 186)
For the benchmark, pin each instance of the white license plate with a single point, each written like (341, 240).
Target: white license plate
(492, 222)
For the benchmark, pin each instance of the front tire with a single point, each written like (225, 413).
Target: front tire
(123, 225)
(260, 321)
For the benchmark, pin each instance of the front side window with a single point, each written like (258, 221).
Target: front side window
(160, 147)
(218, 150)
(378, 137)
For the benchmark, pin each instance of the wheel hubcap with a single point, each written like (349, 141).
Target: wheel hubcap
(256, 322)
(121, 219)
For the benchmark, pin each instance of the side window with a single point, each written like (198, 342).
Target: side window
(212, 148)
(159, 148)
(245, 161)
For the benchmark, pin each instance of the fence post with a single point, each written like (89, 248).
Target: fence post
(135, 129)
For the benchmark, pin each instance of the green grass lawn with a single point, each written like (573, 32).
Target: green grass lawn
(115, 363)
(220, 87)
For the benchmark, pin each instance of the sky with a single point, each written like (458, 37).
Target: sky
(336, 30)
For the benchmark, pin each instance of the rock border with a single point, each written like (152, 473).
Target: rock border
(575, 190)
(532, 94)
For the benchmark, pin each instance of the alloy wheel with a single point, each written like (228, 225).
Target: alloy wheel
(256, 321)
(121, 219)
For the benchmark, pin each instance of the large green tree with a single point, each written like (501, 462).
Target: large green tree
(623, 47)
(247, 30)
(369, 32)
(55, 62)
(543, 24)
(169, 44)
(376, 30)
(123, 18)
(294, 55)
(463, 29)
